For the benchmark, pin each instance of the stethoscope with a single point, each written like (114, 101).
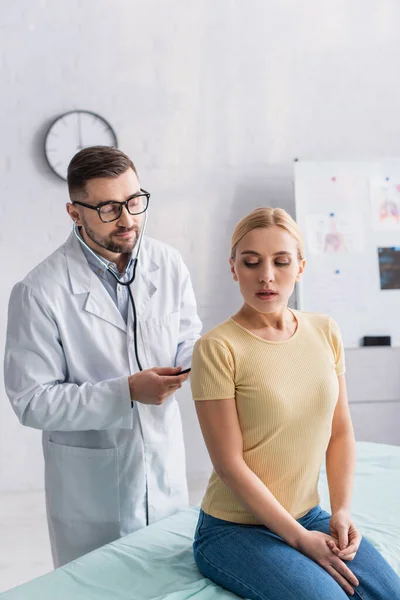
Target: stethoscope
(117, 278)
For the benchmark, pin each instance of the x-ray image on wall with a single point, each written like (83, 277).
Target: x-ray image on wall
(389, 268)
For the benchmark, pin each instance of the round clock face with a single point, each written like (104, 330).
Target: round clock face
(70, 133)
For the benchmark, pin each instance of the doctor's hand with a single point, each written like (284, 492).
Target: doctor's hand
(153, 386)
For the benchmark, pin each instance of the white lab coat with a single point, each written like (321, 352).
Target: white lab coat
(109, 469)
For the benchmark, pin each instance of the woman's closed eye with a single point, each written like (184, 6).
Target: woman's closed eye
(251, 264)
(278, 263)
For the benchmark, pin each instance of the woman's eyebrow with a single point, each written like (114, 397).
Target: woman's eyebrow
(254, 253)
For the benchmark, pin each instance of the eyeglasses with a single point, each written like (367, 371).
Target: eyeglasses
(111, 211)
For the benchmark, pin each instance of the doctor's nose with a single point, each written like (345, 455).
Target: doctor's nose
(125, 219)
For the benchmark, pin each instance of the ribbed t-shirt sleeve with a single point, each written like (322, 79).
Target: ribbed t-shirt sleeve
(212, 375)
(337, 346)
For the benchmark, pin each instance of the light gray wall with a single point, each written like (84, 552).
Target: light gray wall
(213, 100)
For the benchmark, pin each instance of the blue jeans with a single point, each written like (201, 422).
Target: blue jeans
(255, 563)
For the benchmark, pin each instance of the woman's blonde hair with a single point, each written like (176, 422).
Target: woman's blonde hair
(267, 217)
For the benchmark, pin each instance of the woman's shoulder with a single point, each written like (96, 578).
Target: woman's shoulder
(221, 333)
(315, 320)
(224, 335)
(217, 346)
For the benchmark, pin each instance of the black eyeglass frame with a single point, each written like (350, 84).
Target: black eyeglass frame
(120, 204)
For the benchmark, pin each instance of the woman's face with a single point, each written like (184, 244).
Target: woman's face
(267, 266)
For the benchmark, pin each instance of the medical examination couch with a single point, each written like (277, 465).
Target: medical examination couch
(157, 563)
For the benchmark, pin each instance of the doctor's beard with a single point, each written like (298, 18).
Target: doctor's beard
(111, 242)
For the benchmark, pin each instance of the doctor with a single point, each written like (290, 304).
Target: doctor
(112, 433)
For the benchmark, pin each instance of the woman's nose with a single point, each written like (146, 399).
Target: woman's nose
(267, 275)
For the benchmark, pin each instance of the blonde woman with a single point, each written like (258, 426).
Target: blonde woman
(271, 399)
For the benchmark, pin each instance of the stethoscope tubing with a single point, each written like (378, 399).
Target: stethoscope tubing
(124, 283)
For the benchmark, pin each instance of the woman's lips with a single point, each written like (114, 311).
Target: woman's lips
(266, 295)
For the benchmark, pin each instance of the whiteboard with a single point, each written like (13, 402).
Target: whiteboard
(346, 212)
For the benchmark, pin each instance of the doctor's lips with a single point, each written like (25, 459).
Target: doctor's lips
(266, 294)
(126, 232)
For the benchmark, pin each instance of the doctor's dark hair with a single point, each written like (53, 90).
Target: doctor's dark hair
(93, 162)
(265, 218)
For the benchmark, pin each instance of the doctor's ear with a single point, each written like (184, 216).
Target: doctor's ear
(73, 213)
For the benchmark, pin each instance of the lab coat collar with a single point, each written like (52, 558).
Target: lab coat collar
(84, 280)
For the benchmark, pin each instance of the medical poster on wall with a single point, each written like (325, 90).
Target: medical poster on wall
(333, 233)
(389, 268)
(349, 215)
(337, 289)
(385, 205)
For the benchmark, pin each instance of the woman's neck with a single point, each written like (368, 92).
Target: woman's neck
(277, 325)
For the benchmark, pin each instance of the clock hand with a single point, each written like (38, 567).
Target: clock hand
(80, 131)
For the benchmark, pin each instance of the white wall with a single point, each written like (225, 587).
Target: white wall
(212, 99)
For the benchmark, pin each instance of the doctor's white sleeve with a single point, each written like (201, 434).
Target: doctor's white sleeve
(190, 325)
(35, 371)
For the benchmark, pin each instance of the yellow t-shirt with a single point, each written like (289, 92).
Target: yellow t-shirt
(286, 393)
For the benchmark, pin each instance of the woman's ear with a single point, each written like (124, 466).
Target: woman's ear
(301, 270)
(235, 277)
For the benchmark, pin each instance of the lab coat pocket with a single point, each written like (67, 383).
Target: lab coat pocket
(82, 484)
(160, 337)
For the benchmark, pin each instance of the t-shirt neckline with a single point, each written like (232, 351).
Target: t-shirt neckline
(275, 342)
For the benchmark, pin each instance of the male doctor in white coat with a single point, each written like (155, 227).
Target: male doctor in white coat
(112, 434)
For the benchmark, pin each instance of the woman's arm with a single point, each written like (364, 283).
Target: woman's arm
(221, 431)
(340, 467)
(341, 454)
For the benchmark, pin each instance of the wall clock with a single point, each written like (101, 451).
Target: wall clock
(73, 131)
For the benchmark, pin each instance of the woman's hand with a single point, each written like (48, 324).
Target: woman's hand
(315, 545)
(346, 536)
